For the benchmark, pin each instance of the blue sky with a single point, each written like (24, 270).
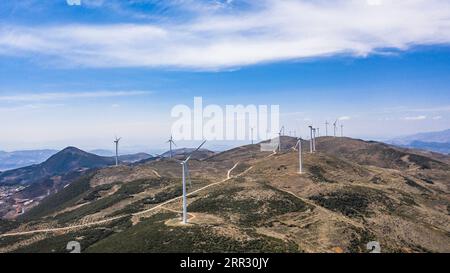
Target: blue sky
(78, 75)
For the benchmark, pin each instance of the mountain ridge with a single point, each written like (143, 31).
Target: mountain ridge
(351, 192)
(431, 141)
(67, 160)
(435, 136)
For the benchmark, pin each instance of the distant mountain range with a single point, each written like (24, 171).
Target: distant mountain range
(18, 159)
(181, 153)
(102, 152)
(432, 141)
(127, 158)
(132, 158)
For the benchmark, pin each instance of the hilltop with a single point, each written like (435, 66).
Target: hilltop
(68, 160)
(29, 185)
(245, 200)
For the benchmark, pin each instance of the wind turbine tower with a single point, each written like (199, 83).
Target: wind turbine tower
(300, 162)
(279, 138)
(314, 139)
(326, 128)
(170, 141)
(185, 174)
(335, 125)
(311, 140)
(342, 130)
(116, 142)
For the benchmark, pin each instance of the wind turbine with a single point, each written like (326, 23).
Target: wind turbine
(116, 142)
(342, 130)
(300, 163)
(170, 141)
(311, 139)
(335, 124)
(185, 170)
(318, 132)
(279, 138)
(326, 127)
(314, 139)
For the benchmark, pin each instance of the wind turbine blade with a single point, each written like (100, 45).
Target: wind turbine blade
(296, 145)
(198, 148)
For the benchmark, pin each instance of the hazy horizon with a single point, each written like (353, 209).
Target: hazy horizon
(163, 146)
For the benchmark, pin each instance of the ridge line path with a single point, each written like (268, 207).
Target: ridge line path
(230, 170)
(156, 173)
(62, 228)
(122, 216)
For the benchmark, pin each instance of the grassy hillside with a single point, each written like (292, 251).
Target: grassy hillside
(66, 197)
(152, 235)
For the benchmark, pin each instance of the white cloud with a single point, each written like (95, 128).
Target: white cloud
(344, 118)
(67, 96)
(431, 110)
(73, 2)
(437, 117)
(270, 30)
(416, 118)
